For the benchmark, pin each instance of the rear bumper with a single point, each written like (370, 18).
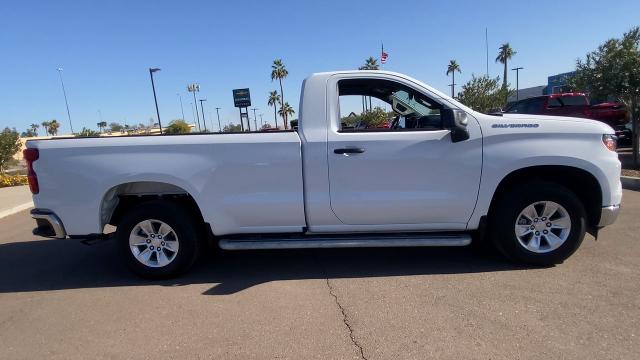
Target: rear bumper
(608, 215)
(49, 224)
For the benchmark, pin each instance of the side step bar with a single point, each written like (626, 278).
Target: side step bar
(341, 241)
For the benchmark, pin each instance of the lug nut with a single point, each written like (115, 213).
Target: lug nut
(544, 219)
(548, 224)
(162, 243)
(532, 227)
(151, 247)
(537, 233)
(535, 220)
(148, 241)
(545, 231)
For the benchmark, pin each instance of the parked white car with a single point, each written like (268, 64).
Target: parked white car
(439, 175)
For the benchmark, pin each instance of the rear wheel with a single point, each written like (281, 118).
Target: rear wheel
(538, 223)
(158, 239)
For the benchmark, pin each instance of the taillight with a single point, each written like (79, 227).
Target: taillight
(610, 141)
(31, 155)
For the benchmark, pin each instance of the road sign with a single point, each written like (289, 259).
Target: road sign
(241, 98)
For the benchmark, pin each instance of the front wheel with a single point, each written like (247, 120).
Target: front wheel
(158, 239)
(538, 223)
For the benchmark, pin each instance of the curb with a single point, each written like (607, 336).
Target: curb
(630, 183)
(16, 209)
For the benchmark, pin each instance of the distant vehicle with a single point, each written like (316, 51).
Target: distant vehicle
(571, 105)
(624, 134)
(436, 175)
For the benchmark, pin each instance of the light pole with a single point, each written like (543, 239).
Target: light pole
(204, 122)
(181, 107)
(193, 88)
(261, 122)
(66, 102)
(517, 70)
(218, 113)
(153, 86)
(255, 118)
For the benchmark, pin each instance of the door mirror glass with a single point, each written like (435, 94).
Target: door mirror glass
(455, 120)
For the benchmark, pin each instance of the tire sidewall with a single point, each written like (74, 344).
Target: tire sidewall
(515, 201)
(175, 216)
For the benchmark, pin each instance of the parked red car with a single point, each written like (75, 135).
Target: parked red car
(572, 105)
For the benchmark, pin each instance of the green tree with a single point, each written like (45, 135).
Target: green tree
(34, 129)
(368, 119)
(285, 111)
(232, 128)
(370, 64)
(116, 127)
(178, 127)
(504, 55)
(451, 69)
(273, 100)
(279, 72)
(87, 133)
(54, 125)
(102, 125)
(266, 126)
(613, 70)
(45, 126)
(483, 94)
(9, 145)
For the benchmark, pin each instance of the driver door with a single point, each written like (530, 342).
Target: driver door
(407, 173)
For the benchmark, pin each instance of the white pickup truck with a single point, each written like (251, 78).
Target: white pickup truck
(436, 174)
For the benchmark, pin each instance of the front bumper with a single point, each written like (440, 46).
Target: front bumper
(608, 215)
(49, 224)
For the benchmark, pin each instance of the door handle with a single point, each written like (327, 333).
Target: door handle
(345, 151)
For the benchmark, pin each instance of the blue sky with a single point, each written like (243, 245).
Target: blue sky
(106, 48)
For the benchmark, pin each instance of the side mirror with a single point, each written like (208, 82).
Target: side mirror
(456, 121)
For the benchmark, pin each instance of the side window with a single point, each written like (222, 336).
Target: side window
(518, 108)
(535, 105)
(383, 105)
(554, 103)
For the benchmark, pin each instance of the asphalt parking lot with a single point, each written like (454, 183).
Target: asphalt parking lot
(63, 299)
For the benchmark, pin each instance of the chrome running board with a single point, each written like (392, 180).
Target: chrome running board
(342, 241)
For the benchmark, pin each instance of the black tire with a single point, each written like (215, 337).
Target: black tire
(504, 215)
(184, 226)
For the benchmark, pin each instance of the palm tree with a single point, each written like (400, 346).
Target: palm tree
(451, 69)
(34, 129)
(102, 125)
(279, 72)
(369, 64)
(504, 55)
(274, 99)
(53, 127)
(45, 125)
(285, 111)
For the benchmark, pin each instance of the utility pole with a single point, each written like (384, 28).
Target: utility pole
(193, 88)
(181, 107)
(255, 118)
(517, 70)
(261, 122)
(64, 92)
(218, 113)
(204, 122)
(153, 86)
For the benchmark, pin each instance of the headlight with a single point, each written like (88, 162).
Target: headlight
(610, 141)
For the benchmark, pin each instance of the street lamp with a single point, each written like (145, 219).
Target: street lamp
(218, 113)
(65, 97)
(193, 88)
(181, 107)
(517, 70)
(255, 118)
(204, 122)
(153, 86)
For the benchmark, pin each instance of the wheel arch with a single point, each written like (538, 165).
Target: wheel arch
(122, 197)
(583, 183)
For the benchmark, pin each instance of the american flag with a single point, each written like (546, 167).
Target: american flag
(383, 56)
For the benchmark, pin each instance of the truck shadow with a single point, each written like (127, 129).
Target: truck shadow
(42, 265)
